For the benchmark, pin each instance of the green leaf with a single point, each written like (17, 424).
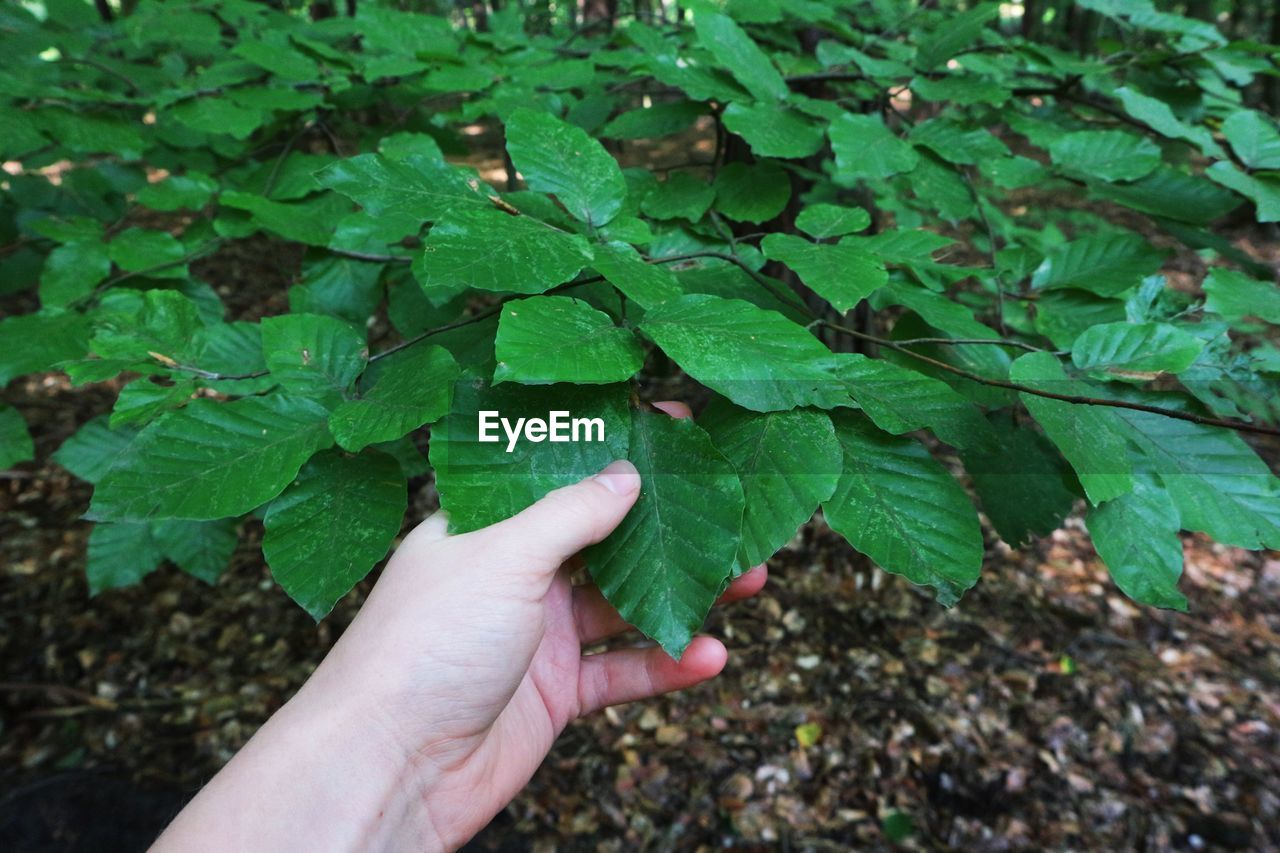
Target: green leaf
(902, 509)
(661, 119)
(142, 250)
(788, 463)
(94, 448)
(680, 196)
(1105, 264)
(954, 143)
(1262, 190)
(1135, 350)
(744, 59)
(840, 273)
(491, 250)
(312, 354)
(143, 399)
(1254, 138)
(1062, 315)
(752, 193)
(328, 529)
(1217, 482)
(1234, 294)
(273, 52)
(419, 187)
(217, 116)
(166, 325)
(409, 389)
(189, 191)
(1112, 155)
(866, 149)
(202, 549)
(821, 221)
(15, 441)
(1136, 536)
(83, 133)
(1174, 195)
(1023, 483)
(547, 339)
(212, 460)
(757, 358)
(773, 130)
(1157, 115)
(481, 482)
(958, 32)
(557, 157)
(120, 555)
(312, 221)
(667, 562)
(1092, 438)
(938, 186)
(71, 272)
(644, 283)
(900, 400)
(341, 286)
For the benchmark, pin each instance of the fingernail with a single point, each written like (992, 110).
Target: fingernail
(620, 477)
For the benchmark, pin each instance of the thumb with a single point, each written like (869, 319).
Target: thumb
(570, 518)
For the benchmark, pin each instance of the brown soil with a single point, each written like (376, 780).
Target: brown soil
(1045, 710)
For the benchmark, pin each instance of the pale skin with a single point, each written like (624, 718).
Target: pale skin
(448, 689)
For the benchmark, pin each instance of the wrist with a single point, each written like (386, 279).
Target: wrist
(373, 787)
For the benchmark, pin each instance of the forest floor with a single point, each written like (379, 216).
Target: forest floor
(1045, 711)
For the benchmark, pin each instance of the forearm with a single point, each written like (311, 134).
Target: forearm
(312, 778)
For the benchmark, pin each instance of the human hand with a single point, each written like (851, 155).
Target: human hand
(451, 685)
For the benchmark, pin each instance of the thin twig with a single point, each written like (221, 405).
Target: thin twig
(284, 155)
(991, 247)
(193, 255)
(1000, 342)
(1065, 398)
(105, 69)
(369, 256)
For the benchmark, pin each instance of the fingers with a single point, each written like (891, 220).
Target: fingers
(433, 528)
(746, 585)
(598, 620)
(568, 519)
(674, 408)
(627, 675)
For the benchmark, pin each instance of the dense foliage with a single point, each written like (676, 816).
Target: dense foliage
(899, 226)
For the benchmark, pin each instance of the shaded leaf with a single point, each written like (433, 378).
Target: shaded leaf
(547, 339)
(1023, 482)
(406, 390)
(840, 273)
(902, 509)
(667, 562)
(1092, 438)
(1125, 349)
(1137, 538)
(491, 250)
(557, 157)
(481, 483)
(328, 529)
(212, 460)
(758, 359)
(788, 463)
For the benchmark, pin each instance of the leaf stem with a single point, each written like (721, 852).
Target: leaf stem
(1077, 399)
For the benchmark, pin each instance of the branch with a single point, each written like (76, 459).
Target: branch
(1000, 342)
(194, 254)
(742, 265)
(1077, 399)
(105, 69)
(369, 256)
